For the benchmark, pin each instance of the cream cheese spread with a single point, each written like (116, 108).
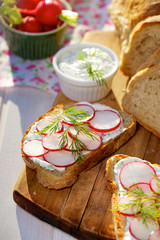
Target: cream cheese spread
(117, 169)
(72, 66)
(32, 135)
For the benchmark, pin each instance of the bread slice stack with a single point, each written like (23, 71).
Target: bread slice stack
(138, 26)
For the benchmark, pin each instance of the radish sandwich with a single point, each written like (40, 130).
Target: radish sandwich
(68, 140)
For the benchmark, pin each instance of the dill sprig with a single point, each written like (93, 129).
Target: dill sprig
(75, 116)
(145, 206)
(95, 74)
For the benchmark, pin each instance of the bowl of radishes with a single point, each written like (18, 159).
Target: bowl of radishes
(41, 33)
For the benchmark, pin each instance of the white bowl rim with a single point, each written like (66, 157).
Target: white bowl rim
(82, 45)
(68, 7)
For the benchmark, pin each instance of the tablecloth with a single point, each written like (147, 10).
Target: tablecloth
(40, 73)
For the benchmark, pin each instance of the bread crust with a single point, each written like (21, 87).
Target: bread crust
(119, 220)
(61, 179)
(142, 96)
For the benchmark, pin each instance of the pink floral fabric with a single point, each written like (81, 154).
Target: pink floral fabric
(40, 73)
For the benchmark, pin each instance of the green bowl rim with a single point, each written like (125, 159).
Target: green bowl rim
(68, 7)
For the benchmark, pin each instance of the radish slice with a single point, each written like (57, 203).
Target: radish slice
(60, 158)
(126, 211)
(135, 172)
(144, 186)
(70, 139)
(155, 187)
(52, 142)
(88, 108)
(46, 122)
(34, 148)
(105, 120)
(154, 235)
(141, 231)
(91, 144)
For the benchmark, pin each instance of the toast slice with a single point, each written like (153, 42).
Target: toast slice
(114, 166)
(142, 98)
(57, 178)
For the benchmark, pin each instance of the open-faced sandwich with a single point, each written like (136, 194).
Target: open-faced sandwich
(65, 141)
(135, 187)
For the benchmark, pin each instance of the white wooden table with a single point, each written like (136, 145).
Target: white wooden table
(19, 107)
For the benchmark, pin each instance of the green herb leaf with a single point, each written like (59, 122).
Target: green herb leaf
(95, 74)
(76, 116)
(146, 205)
(10, 12)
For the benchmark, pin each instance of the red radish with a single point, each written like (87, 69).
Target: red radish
(27, 4)
(144, 186)
(47, 28)
(60, 158)
(91, 143)
(127, 211)
(86, 107)
(141, 231)
(135, 172)
(105, 120)
(154, 235)
(30, 24)
(46, 122)
(34, 148)
(47, 12)
(154, 185)
(52, 142)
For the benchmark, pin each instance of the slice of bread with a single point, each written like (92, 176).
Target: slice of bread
(119, 220)
(142, 98)
(53, 177)
(142, 41)
(137, 24)
(152, 60)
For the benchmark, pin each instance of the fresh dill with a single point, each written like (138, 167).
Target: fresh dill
(145, 206)
(76, 117)
(95, 74)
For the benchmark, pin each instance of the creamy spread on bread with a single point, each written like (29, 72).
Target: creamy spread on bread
(32, 135)
(117, 168)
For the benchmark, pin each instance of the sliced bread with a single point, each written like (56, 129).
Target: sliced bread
(142, 98)
(137, 24)
(59, 177)
(121, 217)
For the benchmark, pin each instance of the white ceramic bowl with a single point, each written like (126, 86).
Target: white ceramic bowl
(86, 89)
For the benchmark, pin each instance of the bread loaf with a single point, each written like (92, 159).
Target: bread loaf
(142, 98)
(56, 177)
(137, 24)
(122, 220)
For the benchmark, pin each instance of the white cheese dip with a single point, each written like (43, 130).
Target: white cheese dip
(117, 169)
(72, 66)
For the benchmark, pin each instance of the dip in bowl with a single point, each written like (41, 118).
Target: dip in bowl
(85, 71)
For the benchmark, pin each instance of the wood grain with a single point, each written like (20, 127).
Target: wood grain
(83, 210)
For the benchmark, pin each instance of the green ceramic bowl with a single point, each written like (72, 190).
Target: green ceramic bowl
(35, 45)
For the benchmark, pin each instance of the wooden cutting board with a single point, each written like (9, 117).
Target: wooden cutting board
(83, 210)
